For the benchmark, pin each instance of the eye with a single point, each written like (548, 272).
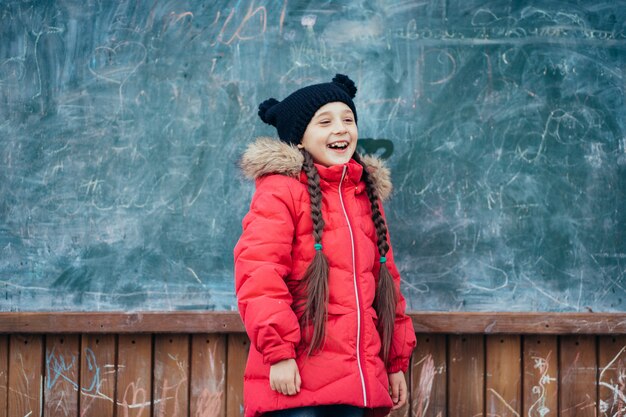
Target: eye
(324, 121)
(348, 120)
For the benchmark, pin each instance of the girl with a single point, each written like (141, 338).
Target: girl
(316, 283)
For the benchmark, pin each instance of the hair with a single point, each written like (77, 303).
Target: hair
(315, 280)
(385, 300)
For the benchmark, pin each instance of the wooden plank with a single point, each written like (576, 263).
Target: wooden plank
(503, 376)
(466, 371)
(25, 375)
(229, 321)
(61, 375)
(612, 383)
(126, 323)
(171, 376)
(4, 373)
(577, 365)
(428, 376)
(134, 376)
(208, 375)
(98, 375)
(519, 323)
(540, 364)
(238, 345)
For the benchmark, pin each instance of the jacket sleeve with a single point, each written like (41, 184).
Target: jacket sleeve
(404, 340)
(262, 260)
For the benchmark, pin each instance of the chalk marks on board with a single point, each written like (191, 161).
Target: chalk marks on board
(428, 376)
(496, 25)
(47, 374)
(252, 25)
(502, 401)
(48, 378)
(425, 386)
(117, 63)
(545, 386)
(125, 120)
(208, 376)
(61, 370)
(539, 407)
(209, 403)
(96, 377)
(612, 380)
(524, 163)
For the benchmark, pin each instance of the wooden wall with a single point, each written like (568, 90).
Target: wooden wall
(198, 374)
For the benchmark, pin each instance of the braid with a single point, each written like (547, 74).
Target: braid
(315, 194)
(385, 300)
(315, 280)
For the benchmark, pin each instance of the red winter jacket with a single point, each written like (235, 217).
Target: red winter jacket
(274, 250)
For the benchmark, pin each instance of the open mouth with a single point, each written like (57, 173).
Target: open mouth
(339, 146)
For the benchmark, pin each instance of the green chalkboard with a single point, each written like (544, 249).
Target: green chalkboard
(122, 122)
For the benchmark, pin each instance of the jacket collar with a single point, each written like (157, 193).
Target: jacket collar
(333, 174)
(271, 156)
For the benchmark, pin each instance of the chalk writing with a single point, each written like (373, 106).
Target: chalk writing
(208, 392)
(503, 402)
(614, 404)
(209, 403)
(165, 395)
(515, 30)
(28, 391)
(57, 369)
(539, 407)
(96, 377)
(424, 387)
(61, 382)
(135, 399)
(166, 390)
(257, 16)
(122, 123)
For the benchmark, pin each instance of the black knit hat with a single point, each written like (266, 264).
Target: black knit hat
(292, 115)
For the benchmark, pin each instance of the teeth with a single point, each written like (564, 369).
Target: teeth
(338, 145)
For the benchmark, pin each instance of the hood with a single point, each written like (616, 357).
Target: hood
(272, 156)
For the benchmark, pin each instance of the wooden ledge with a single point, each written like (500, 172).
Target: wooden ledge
(520, 323)
(229, 322)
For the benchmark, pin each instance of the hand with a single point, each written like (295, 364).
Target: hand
(285, 377)
(397, 386)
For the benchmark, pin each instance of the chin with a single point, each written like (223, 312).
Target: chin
(340, 160)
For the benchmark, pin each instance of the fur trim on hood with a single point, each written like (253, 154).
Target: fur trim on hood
(271, 156)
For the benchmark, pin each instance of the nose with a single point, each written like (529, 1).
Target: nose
(339, 126)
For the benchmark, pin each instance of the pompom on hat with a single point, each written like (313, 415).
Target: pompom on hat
(292, 115)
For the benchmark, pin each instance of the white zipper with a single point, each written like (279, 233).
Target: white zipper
(356, 293)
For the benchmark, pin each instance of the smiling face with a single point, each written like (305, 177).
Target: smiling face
(331, 135)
